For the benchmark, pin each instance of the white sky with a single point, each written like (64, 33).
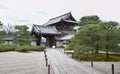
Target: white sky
(22, 12)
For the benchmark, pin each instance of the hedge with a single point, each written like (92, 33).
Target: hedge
(29, 48)
(6, 47)
(9, 47)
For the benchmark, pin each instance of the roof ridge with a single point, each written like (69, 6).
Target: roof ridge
(43, 26)
(61, 15)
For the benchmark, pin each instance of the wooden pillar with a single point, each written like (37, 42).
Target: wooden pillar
(52, 41)
(38, 42)
(47, 41)
(8, 41)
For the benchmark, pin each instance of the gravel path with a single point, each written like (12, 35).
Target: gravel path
(22, 63)
(105, 66)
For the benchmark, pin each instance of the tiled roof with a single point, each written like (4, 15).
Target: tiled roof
(67, 37)
(66, 17)
(8, 39)
(71, 21)
(45, 29)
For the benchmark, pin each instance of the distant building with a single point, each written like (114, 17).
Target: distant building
(58, 31)
(8, 40)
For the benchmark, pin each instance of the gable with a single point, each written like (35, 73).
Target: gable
(66, 18)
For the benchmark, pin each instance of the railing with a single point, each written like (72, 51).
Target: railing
(47, 63)
(58, 64)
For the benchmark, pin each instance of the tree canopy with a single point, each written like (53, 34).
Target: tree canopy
(1, 23)
(96, 35)
(2, 33)
(94, 19)
(22, 36)
(110, 35)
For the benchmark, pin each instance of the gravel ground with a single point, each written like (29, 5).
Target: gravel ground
(34, 63)
(105, 66)
(22, 63)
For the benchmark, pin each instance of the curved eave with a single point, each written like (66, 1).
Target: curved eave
(69, 21)
(50, 33)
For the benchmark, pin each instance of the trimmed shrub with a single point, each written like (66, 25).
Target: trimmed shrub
(60, 47)
(9, 47)
(68, 48)
(29, 48)
(37, 48)
(6, 47)
(21, 49)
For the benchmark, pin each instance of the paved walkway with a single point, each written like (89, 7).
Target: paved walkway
(22, 63)
(102, 66)
(62, 64)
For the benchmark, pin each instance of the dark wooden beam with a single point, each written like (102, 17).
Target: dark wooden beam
(52, 41)
(39, 37)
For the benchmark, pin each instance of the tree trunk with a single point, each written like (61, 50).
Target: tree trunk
(97, 49)
(107, 54)
(87, 54)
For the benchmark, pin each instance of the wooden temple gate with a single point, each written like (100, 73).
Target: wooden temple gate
(62, 25)
(50, 40)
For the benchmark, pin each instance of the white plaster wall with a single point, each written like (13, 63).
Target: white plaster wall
(10, 42)
(33, 42)
(59, 43)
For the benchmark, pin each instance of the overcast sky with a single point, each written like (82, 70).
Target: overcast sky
(22, 12)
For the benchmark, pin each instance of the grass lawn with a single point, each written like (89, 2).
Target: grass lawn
(99, 57)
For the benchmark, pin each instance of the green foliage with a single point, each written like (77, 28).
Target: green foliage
(1, 24)
(60, 47)
(2, 36)
(2, 33)
(109, 25)
(29, 48)
(104, 36)
(22, 36)
(22, 28)
(93, 19)
(21, 49)
(77, 50)
(95, 35)
(6, 47)
(110, 37)
(71, 45)
(99, 57)
(37, 48)
(68, 47)
(9, 47)
(88, 37)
